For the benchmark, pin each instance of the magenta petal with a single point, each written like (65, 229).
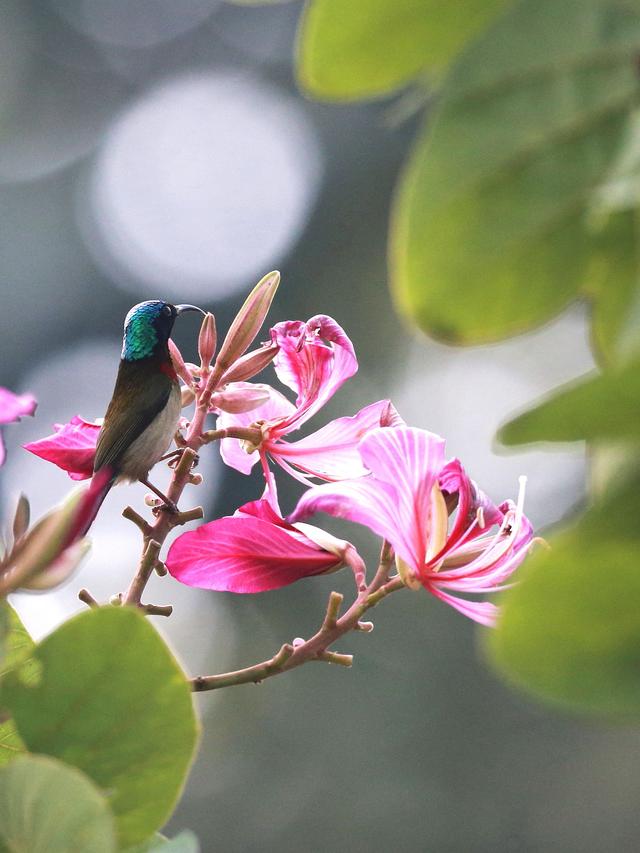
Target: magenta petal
(314, 360)
(331, 453)
(483, 612)
(244, 555)
(14, 406)
(72, 447)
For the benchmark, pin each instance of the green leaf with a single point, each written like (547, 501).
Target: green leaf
(18, 647)
(365, 48)
(47, 807)
(601, 407)
(569, 631)
(112, 700)
(490, 233)
(614, 287)
(186, 842)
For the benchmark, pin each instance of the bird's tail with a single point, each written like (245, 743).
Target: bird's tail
(92, 500)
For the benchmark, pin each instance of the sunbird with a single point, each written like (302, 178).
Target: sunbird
(144, 411)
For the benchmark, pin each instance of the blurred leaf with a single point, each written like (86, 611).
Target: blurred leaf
(122, 713)
(604, 406)
(186, 842)
(47, 807)
(570, 630)
(490, 233)
(364, 48)
(614, 287)
(18, 646)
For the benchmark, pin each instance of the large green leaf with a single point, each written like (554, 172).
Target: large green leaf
(111, 700)
(364, 48)
(570, 630)
(186, 842)
(602, 407)
(18, 647)
(490, 232)
(48, 807)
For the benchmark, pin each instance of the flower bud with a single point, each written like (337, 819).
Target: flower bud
(240, 397)
(178, 364)
(207, 341)
(248, 320)
(247, 366)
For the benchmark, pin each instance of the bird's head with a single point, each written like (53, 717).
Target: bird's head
(148, 326)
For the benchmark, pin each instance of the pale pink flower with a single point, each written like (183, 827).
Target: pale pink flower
(314, 359)
(12, 408)
(407, 498)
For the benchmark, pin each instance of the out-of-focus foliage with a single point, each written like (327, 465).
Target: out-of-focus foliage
(35, 795)
(186, 842)
(122, 713)
(17, 649)
(366, 48)
(520, 196)
(605, 406)
(491, 234)
(570, 630)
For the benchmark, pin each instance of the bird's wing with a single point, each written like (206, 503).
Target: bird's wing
(137, 398)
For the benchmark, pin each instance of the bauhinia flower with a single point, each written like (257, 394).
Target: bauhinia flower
(407, 498)
(12, 408)
(71, 447)
(256, 550)
(314, 359)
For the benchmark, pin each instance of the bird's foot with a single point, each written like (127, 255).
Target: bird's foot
(167, 504)
(176, 455)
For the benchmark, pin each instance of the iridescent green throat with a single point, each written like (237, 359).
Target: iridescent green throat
(140, 336)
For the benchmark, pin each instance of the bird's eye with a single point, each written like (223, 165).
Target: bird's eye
(167, 311)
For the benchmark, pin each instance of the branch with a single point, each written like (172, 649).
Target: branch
(333, 627)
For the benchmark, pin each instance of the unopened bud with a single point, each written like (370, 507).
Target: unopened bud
(178, 364)
(248, 365)
(207, 341)
(240, 397)
(248, 320)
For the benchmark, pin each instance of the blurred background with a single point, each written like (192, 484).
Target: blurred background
(155, 149)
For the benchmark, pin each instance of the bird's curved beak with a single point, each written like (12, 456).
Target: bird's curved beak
(182, 308)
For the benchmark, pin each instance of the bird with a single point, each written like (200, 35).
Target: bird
(144, 411)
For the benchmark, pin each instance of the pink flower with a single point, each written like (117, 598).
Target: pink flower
(72, 447)
(256, 550)
(407, 498)
(314, 360)
(12, 408)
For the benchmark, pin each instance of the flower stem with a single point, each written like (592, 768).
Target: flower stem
(317, 648)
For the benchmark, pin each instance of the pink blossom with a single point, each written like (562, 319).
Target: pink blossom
(407, 498)
(12, 408)
(72, 447)
(314, 360)
(256, 550)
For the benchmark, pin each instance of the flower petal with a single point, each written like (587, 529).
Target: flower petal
(14, 406)
(72, 447)
(231, 449)
(245, 555)
(331, 453)
(483, 612)
(314, 360)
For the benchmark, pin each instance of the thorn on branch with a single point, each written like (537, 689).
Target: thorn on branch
(336, 657)
(333, 611)
(188, 515)
(157, 609)
(131, 515)
(85, 596)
